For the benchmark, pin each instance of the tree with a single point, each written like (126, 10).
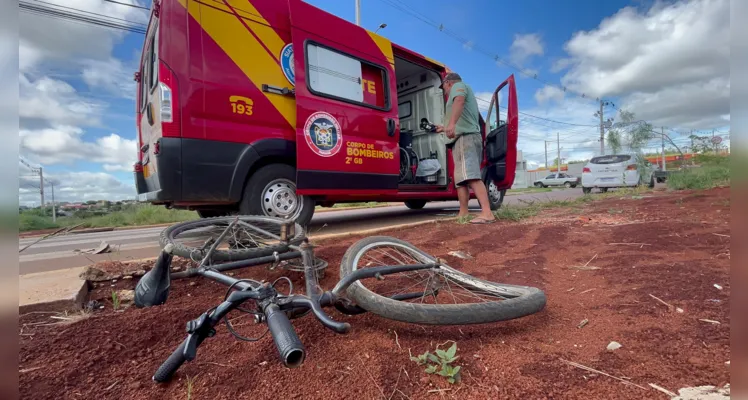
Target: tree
(629, 134)
(701, 144)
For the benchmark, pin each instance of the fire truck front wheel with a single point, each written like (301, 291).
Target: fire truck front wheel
(271, 191)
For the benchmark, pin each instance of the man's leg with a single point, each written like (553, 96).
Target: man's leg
(463, 194)
(482, 195)
(460, 175)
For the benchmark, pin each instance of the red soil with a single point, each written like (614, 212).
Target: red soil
(677, 249)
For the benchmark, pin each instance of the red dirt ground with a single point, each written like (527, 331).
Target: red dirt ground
(677, 248)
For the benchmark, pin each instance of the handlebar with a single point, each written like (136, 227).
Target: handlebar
(290, 348)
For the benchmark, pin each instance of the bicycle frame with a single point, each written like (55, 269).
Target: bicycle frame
(274, 308)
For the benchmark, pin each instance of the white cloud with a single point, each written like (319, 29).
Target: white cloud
(47, 39)
(547, 93)
(65, 145)
(111, 76)
(55, 102)
(670, 63)
(76, 186)
(561, 64)
(525, 46)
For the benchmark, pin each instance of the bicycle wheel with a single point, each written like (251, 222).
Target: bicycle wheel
(445, 296)
(251, 237)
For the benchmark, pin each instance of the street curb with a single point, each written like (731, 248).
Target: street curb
(61, 293)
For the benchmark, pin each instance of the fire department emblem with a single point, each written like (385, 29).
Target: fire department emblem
(323, 134)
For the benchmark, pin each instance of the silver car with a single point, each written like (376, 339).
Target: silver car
(557, 179)
(616, 170)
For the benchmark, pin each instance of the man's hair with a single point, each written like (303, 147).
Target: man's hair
(453, 76)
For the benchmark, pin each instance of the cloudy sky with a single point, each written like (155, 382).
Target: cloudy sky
(668, 62)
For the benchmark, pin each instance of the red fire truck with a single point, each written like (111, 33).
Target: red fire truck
(272, 107)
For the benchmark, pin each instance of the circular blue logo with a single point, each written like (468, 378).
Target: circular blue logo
(287, 63)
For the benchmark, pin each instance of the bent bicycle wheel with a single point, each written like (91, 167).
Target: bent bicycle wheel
(439, 296)
(251, 237)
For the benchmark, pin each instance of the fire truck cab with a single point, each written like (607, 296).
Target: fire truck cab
(273, 107)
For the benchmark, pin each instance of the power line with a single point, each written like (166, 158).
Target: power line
(398, 5)
(128, 4)
(129, 26)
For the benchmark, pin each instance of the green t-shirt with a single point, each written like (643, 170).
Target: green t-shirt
(468, 122)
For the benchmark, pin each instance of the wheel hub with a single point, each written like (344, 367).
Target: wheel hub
(493, 192)
(280, 200)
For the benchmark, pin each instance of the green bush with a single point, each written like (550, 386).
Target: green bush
(33, 222)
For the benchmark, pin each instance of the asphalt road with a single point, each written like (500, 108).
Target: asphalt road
(59, 252)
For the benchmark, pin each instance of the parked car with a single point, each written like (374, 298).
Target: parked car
(617, 170)
(558, 179)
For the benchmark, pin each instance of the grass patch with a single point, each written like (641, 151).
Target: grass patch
(714, 172)
(528, 190)
(135, 215)
(514, 213)
(706, 177)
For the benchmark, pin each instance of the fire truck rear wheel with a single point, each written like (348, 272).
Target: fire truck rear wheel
(415, 204)
(271, 191)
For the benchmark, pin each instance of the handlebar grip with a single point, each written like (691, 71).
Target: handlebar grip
(290, 348)
(171, 365)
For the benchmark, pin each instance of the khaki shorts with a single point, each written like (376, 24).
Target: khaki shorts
(467, 154)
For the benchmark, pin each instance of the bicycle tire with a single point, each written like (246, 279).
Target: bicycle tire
(529, 300)
(169, 235)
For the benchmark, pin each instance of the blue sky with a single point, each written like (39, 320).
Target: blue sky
(77, 95)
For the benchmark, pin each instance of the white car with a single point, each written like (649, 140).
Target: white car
(616, 170)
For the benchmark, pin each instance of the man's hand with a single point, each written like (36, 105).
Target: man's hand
(450, 131)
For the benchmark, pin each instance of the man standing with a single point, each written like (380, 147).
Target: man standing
(462, 127)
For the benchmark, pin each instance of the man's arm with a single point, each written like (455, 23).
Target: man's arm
(458, 104)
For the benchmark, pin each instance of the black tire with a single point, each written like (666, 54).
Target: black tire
(603, 190)
(526, 300)
(586, 190)
(538, 185)
(415, 204)
(170, 235)
(567, 185)
(253, 202)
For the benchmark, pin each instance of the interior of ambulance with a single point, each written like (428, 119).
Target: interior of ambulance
(423, 154)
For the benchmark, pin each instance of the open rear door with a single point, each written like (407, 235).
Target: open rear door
(347, 125)
(500, 136)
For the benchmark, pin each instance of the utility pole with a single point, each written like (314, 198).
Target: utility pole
(662, 130)
(545, 142)
(54, 211)
(558, 144)
(602, 131)
(715, 144)
(41, 185)
(358, 12)
(601, 114)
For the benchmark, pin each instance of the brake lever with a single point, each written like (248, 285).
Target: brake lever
(303, 301)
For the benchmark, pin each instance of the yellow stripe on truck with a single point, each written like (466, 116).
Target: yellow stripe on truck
(225, 28)
(262, 27)
(384, 45)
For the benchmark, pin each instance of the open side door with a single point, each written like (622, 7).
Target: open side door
(500, 137)
(347, 127)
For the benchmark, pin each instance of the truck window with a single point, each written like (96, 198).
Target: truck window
(143, 85)
(153, 61)
(346, 78)
(405, 110)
